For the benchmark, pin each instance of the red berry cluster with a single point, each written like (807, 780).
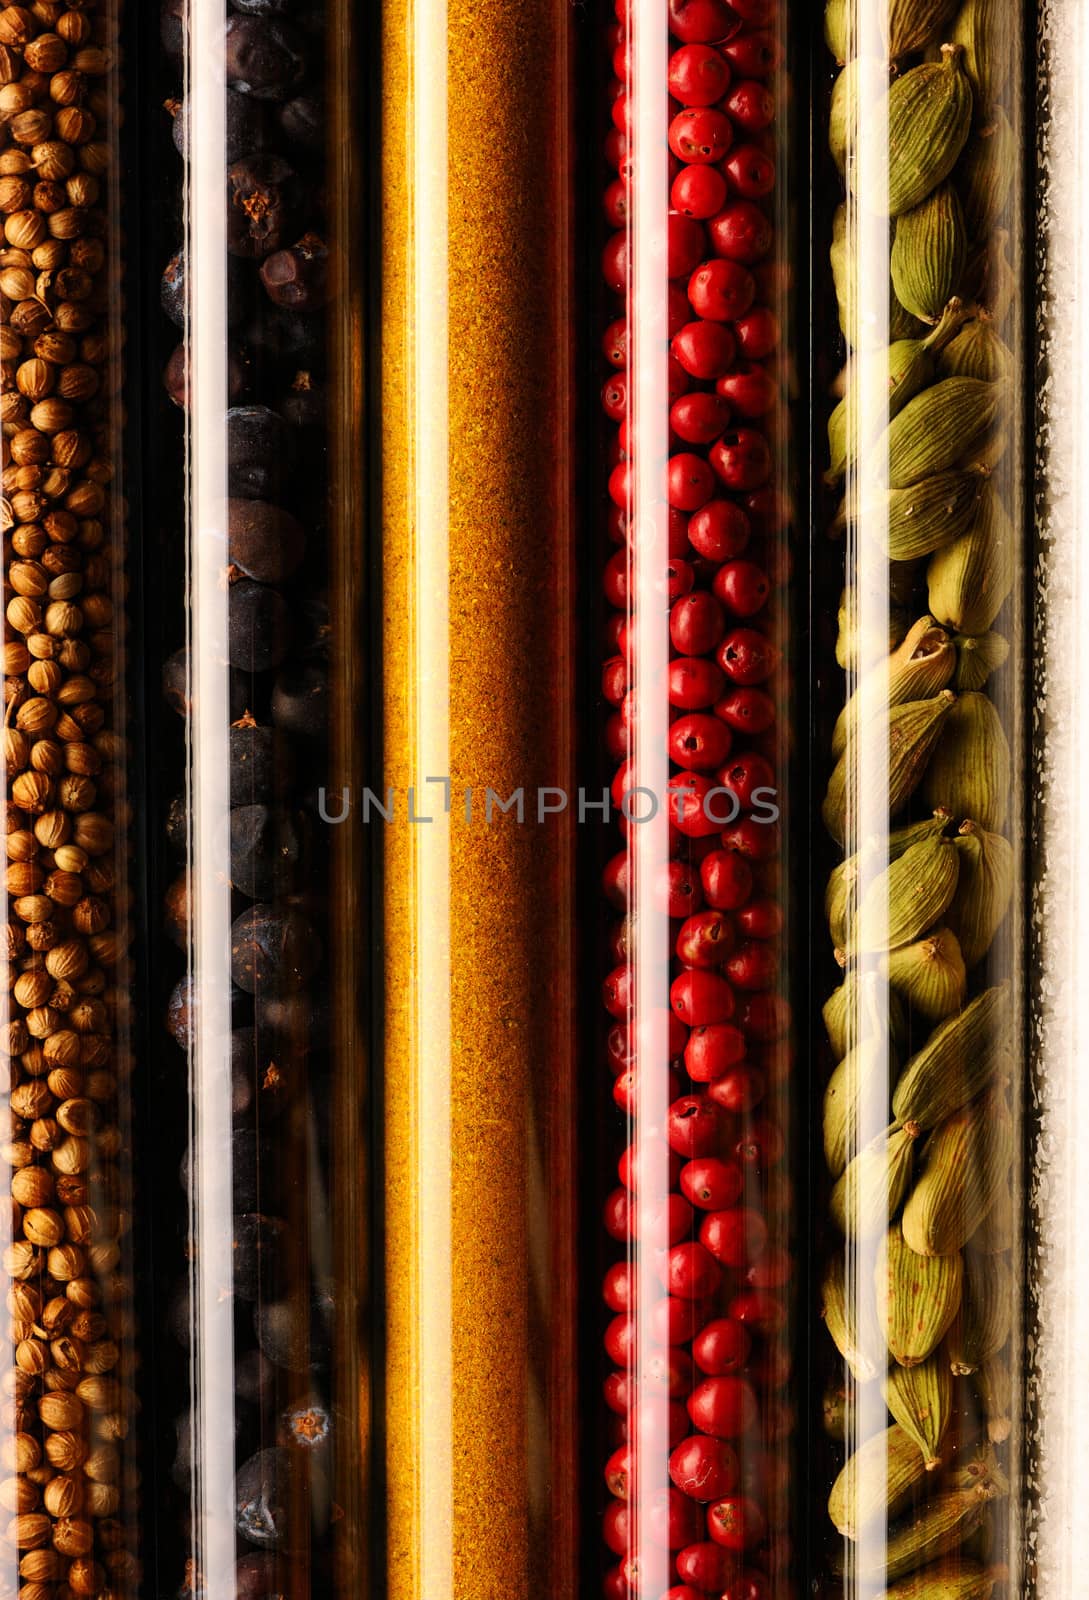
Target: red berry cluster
(716, 1241)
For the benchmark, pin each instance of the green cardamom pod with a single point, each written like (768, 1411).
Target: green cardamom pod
(969, 580)
(840, 895)
(858, 323)
(850, 1014)
(921, 1400)
(981, 1467)
(851, 1320)
(837, 1412)
(917, 1297)
(873, 1185)
(940, 1526)
(958, 1579)
(928, 113)
(986, 173)
(910, 367)
(989, 37)
(989, 278)
(996, 1233)
(966, 1160)
(922, 665)
(986, 1314)
(931, 514)
(969, 771)
(930, 974)
(978, 352)
(846, 1088)
(956, 1063)
(928, 253)
(843, 115)
(939, 428)
(910, 896)
(875, 1482)
(848, 642)
(978, 655)
(910, 25)
(839, 28)
(984, 889)
(912, 730)
(994, 1381)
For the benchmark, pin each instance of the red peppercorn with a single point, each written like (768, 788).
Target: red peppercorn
(663, 1220)
(673, 1321)
(753, 55)
(698, 192)
(726, 879)
(741, 232)
(739, 1090)
(686, 244)
(697, 623)
(751, 777)
(615, 880)
(683, 1591)
(699, 418)
(701, 21)
(765, 1016)
(701, 997)
(734, 1236)
(617, 1214)
(626, 1089)
(748, 1585)
(616, 1527)
(706, 1566)
(615, 262)
(742, 586)
(748, 711)
(721, 1348)
(698, 75)
(619, 1392)
(679, 891)
(616, 150)
(620, 1340)
(706, 350)
(721, 291)
(724, 1407)
(662, 1167)
(703, 1468)
(617, 991)
(680, 577)
(619, 1050)
(691, 481)
(698, 742)
(695, 806)
(772, 1365)
(753, 838)
(690, 1271)
(720, 529)
(750, 171)
(757, 1309)
(712, 1184)
(655, 1427)
(614, 680)
(773, 1272)
(741, 458)
(678, 308)
(614, 397)
(617, 1288)
(617, 203)
(762, 1145)
(694, 1127)
(750, 389)
(736, 1522)
(620, 111)
(700, 135)
(674, 1519)
(757, 333)
(762, 919)
(754, 965)
(669, 1371)
(620, 1472)
(705, 940)
(615, 343)
(747, 657)
(751, 105)
(713, 1051)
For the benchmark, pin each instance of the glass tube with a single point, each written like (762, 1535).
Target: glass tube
(477, 780)
(270, 1006)
(698, 462)
(70, 1486)
(926, 794)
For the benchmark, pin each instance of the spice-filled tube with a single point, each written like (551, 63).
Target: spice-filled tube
(477, 777)
(269, 1002)
(70, 1487)
(694, 721)
(925, 797)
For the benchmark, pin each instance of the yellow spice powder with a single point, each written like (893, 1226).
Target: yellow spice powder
(477, 578)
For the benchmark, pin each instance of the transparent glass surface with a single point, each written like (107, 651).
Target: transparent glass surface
(259, 433)
(477, 784)
(695, 520)
(922, 1293)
